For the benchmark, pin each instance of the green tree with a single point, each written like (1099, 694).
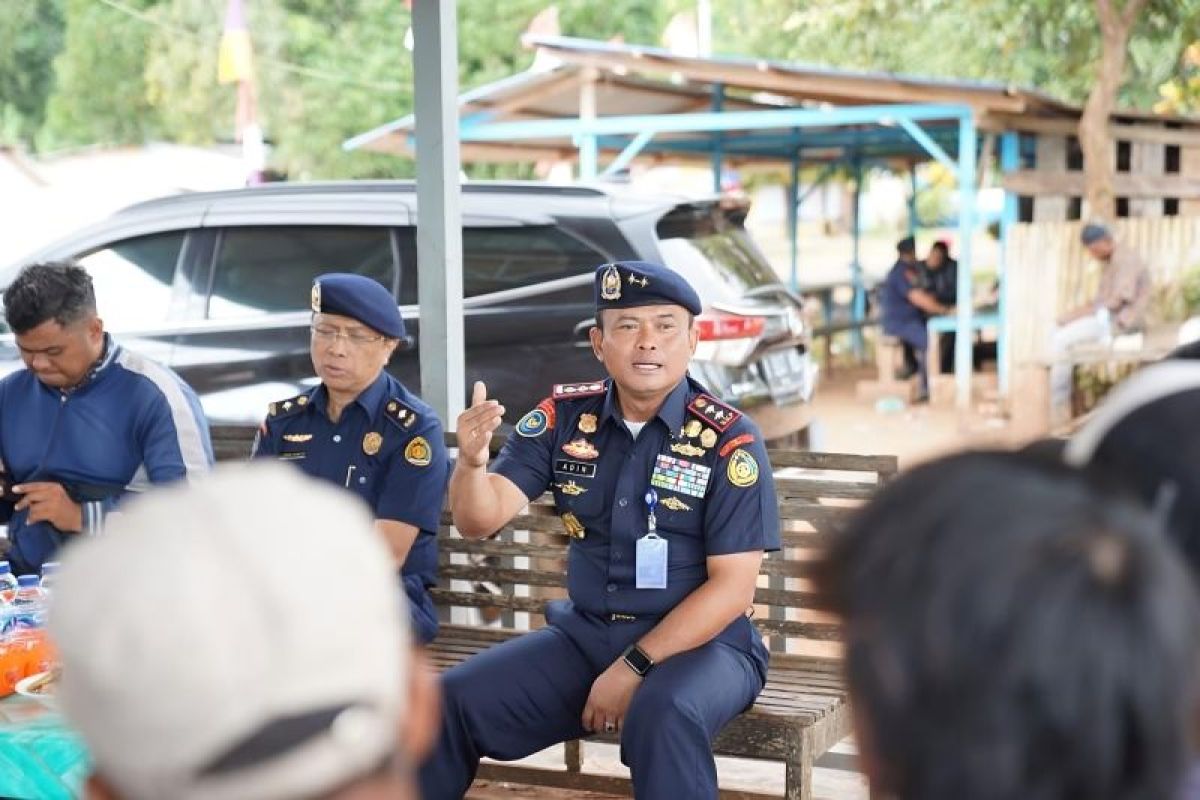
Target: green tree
(100, 92)
(32, 31)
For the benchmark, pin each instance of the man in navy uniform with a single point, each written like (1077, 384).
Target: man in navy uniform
(362, 429)
(669, 498)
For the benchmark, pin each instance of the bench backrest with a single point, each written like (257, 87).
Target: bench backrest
(525, 563)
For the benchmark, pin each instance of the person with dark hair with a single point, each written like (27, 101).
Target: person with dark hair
(905, 306)
(363, 430)
(1118, 307)
(939, 277)
(1142, 439)
(668, 498)
(86, 420)
(1012, 633)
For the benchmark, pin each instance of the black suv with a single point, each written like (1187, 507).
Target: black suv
(216, 285)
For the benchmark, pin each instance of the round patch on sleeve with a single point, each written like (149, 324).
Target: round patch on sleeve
(418, 452)
(534, 423)
(742, 470)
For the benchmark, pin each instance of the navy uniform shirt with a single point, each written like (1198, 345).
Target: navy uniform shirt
(705, 461)
(387, 448)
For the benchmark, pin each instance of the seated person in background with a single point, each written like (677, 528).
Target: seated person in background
(905, 306)
(1012, 633)
(939, 277)
(1118, 307)
(244, 658)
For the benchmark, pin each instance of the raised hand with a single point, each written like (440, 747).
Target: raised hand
(476, 425)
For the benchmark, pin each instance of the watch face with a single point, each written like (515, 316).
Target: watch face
(638, 661)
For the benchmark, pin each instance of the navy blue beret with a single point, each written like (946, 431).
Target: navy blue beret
(906, 245)
(360, 298)
(624, 284)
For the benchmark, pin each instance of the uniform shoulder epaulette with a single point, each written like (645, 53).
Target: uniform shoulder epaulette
(400, 413)
(714, 412)
(567, 391)
(285, 408)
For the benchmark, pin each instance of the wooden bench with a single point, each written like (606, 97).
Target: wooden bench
(889, 357)
(1036, 413)
(801, 713)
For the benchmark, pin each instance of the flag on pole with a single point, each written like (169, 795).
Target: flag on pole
(235, 59)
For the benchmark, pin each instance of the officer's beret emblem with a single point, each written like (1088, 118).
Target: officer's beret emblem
(315, 297)
(610, 283)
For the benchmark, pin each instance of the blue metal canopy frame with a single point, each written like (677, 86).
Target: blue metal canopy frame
(948, 136)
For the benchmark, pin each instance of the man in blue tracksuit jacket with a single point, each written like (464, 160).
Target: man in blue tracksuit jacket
(86, 420)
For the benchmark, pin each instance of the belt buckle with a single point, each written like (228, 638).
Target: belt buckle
(622, 618)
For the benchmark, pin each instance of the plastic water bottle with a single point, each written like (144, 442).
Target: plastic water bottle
(8, 583)
(28, 606)
(49, 575)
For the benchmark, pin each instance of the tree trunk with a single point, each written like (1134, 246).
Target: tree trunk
(1099, 162)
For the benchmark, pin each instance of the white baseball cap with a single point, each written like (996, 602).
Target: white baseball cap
(242, 637)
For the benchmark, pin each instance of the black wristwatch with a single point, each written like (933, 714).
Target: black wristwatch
(637, 659)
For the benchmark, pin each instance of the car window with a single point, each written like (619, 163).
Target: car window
(718, 257)
(133, 279)
(495, 259)
(271, 269)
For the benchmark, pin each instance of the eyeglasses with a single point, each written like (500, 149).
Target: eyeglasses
(327, 334)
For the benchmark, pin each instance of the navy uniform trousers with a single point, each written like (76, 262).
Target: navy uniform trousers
(528, 693)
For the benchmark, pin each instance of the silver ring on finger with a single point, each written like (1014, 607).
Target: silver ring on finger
(610, 727)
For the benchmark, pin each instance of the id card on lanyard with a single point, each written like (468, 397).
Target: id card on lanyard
(651, 557)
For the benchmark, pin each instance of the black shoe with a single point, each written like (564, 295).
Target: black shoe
(904, 373)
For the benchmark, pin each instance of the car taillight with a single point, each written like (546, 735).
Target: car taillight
(719, 325)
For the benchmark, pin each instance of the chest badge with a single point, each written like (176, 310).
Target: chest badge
(571, 488)
(581, 448)
(371, 443)
(418, 453)
(692, 428)
(297, 437)
(688, 449)
(574, 527)
(708, 438)
(587, 423)
(674, 504)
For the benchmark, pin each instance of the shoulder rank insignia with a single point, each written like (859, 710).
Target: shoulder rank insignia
(287, 407)
(714, 412)
(568, 390)
(399, 413)
(537, 421)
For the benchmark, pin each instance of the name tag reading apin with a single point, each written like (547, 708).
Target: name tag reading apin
(651, 562)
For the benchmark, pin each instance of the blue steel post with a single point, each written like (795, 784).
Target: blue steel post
(718, 104)
(964, 338)
(1010, 161)
(859, 309)
(793, 200)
